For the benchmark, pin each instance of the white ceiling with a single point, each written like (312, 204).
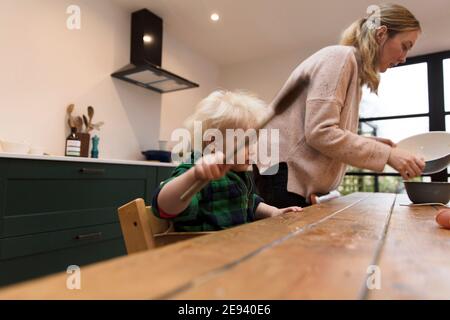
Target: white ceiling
(252, 29)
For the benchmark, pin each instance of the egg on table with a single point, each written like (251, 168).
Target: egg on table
(443, 218)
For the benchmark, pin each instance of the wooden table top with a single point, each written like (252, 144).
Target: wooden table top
(361, 246)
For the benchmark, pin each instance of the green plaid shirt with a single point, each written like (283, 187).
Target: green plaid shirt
(222, 204)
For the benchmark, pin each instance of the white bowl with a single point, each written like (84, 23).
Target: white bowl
(15, 147)
(430, 146)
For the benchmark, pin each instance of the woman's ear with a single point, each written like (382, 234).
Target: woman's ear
(381, 34)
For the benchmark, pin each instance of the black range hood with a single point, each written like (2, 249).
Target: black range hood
(146, 54)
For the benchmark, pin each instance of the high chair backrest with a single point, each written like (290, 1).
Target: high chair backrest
(139, 226)
(142, 230)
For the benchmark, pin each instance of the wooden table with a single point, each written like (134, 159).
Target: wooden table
(330, 251)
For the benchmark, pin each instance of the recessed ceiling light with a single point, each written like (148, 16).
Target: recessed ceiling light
(215, 17)
(148, 39)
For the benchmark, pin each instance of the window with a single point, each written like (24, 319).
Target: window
(402, 90)
(409, 102)
(390, 128)
(371, 183)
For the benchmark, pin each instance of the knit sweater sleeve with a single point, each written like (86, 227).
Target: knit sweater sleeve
(323, 130)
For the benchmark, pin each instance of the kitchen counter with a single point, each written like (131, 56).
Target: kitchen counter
(361, 246)
(82, 159)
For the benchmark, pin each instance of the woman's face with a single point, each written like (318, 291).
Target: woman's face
(393, 50)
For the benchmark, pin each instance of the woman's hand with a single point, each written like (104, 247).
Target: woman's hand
(407, 164)
(385, 141)
(211, 167)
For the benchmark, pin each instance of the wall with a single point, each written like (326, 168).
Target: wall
(263, 77)
(45, 66)
(177, 106)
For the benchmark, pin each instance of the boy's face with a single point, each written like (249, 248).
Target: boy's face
(241, 161)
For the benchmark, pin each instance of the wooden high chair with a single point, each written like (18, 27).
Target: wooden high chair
(142, 230)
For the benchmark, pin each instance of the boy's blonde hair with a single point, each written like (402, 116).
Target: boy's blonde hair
(361, 35)
(224, 110)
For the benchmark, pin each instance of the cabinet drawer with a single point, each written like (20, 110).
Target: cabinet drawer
(59, 220)
(28, 196)
(42, 169)
(45, 242)
(29, 267)
(45, 205)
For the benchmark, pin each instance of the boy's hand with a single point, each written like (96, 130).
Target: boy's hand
(264, 211)
(277, 212)
(211, 167)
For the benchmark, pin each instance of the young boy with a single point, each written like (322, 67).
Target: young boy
(229, 199)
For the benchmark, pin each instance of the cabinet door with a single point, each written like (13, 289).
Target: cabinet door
(43, 196)
(33, 266)
(15, 247)
(152, 173)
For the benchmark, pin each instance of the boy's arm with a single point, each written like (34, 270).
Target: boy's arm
(266, 211)
(263, 211)
(207, 168)
(169, 197)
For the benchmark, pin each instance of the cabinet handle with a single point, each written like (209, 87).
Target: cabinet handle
(92, 171)
(89, 236)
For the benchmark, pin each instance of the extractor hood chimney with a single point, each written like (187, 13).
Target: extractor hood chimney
(146, 53)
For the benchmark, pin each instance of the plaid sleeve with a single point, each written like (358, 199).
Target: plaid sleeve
(191, 210)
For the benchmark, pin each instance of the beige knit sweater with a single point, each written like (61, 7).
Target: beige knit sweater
(318, 132)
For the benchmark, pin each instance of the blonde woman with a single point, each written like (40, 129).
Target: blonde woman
(318, 132)
(230, 197)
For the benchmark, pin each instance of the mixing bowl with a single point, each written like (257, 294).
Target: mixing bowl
(428, 192)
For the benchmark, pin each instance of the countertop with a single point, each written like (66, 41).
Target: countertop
(82, 159)
(360, 246)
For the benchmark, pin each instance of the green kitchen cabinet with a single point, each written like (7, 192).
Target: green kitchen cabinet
(59, 213)
(163, 173)
(37, 265)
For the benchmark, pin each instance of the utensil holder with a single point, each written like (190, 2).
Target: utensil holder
(85, 142)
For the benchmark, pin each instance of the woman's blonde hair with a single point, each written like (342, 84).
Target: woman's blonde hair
(362, 35)
(224, 110)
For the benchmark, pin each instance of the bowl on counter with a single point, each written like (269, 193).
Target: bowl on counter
(15, 147)
(158, 155)
(428, 192)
